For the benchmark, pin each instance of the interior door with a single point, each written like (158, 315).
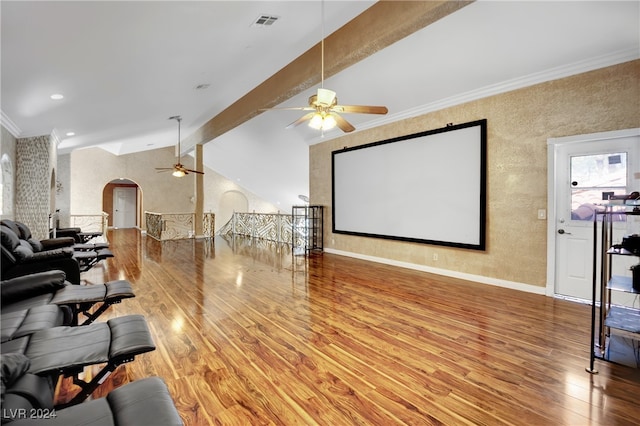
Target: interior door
(124, 207)
(587, 172)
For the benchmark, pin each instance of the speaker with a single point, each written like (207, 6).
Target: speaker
(631, 243)
(635, 270)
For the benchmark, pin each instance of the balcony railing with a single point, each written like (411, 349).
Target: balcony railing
(176, 226)
(267, 226)
(90, 222)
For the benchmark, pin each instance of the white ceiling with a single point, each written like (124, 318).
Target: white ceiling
(125, 67)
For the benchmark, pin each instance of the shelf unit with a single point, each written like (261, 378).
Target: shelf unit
(611, 319)
(308, 227)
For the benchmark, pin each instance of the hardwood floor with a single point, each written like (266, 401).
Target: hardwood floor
(246, 333)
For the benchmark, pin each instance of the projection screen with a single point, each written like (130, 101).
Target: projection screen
(428, 187)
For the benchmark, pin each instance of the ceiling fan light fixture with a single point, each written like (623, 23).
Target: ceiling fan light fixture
(322, 121)
(329, 122)
(178, 173)
(316, 121)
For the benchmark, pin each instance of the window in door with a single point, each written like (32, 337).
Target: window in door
(594, 178)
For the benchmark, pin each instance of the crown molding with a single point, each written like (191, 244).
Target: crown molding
(568, 70)
(56, 137)
(8, 124)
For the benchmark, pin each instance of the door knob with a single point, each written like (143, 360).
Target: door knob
(562, 231)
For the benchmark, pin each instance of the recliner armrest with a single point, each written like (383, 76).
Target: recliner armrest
(40, 256)
(35, 389)
(27, 286)
(54, 243)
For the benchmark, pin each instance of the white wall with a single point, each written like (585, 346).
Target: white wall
(91, 169)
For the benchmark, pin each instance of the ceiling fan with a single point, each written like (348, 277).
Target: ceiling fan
(324, 105)
(178, 170)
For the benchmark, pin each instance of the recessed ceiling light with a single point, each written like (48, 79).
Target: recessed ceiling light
(57, 96)
(71, 133)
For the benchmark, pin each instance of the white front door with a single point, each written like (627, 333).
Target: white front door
(124, 207)
(586, 169)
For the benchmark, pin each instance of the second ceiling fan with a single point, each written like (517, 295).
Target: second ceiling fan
(324, 105)
(178, 170)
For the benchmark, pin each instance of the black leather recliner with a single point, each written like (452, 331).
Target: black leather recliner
(75, 233)
(86, 254)
(65, 351)
(144, 401)
(19, 258)
(45, 299)
(24, 233)
(22, 391)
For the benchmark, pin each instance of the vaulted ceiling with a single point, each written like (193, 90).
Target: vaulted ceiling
(125, 67)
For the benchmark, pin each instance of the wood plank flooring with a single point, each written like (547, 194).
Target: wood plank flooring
(248, 334)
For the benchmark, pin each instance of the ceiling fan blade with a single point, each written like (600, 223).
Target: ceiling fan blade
(193, 171)
(163, 169)
(307, 108)
(361, 109)
(343, 124)
(301, 120)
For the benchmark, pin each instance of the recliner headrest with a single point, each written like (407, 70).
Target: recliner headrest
(10, 239)
(11, 225)
(25, 232)
(21, 249)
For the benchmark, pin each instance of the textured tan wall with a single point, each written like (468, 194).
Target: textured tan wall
(92, 169)
(518, 126)
(62, 189)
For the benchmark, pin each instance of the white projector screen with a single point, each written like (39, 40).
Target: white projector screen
(429, 187)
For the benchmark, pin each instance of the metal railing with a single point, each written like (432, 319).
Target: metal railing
(90, 222)
(176, 226)
(276, 227)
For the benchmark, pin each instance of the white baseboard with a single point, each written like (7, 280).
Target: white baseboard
(445, 272)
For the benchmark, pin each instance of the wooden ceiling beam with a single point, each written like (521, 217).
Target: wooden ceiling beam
(376, 28)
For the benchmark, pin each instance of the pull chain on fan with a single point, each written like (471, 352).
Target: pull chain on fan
(324, 104)
(178, 170)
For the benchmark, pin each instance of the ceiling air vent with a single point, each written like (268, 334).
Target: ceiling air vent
(265, 21)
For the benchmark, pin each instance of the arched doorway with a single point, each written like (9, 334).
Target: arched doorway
(122, 201)
(230, 202)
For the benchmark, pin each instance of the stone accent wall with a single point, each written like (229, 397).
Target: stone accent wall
(35, 165)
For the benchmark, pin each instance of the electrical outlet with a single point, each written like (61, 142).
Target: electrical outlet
(435, 256)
